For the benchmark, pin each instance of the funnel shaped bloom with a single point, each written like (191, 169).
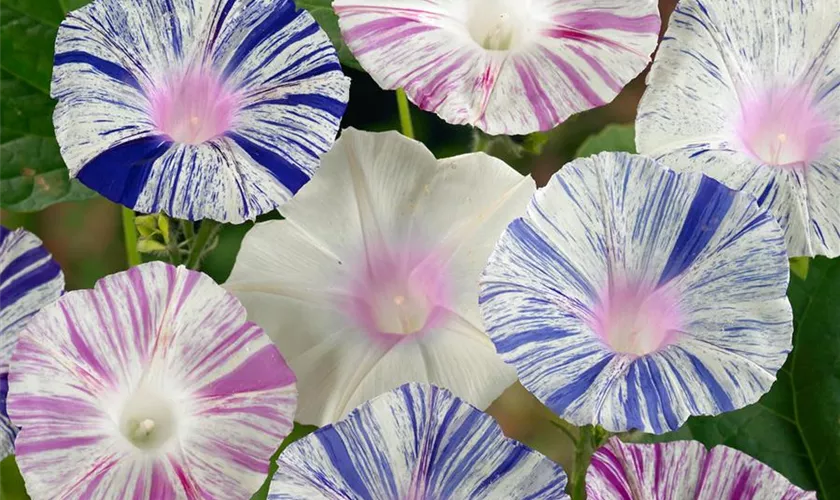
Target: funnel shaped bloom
(29, 280)
(504, 66)
(371, 281)
(749, 94)
(683, 469)
(151, 385)
(631, 296)
(417, 441)
(213, 109)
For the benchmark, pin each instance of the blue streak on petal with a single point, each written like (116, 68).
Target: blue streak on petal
(283, 14)
(288, 173)
(113, 70)
(708, 209)
(120, 173)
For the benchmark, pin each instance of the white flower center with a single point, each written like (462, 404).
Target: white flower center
(147, 420)
(496, 24)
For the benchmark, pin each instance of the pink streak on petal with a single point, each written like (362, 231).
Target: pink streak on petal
(596, 66)
(29, 446)
(576, 79)
(542, 106)
(84, 351)
(399, 28)
(264, 370)
(589, 20)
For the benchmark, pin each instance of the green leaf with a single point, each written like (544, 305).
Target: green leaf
(299, 431)
(612, 138)
(794, 428)
(32, 172)
(11, 482)
(323, 13)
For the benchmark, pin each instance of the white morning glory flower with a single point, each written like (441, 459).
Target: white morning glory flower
(504, 66)
(749, 94)
(213, 109)
(29, 280)
(632, 297)
(415, 442)
(371, 281)
(151, 385)
(683, 469)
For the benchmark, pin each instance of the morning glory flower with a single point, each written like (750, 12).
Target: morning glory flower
(504, 66)
(151, 385)
(683, 469)
(29, 280)
(749, 94)
(371, 281)
(213, 109)
(631, 296)
(417, 441)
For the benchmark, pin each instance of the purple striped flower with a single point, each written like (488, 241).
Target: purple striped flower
(633, 297)
(504, 66)
(151, 385)
(29, 280)
(214, 109)
(415, 442)
(748, 92)
(683, 469)
(371, 281)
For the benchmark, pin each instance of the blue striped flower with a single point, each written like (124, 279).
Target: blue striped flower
(212, 109)
(29, 280)
(631, 296)
(748, 92)
(415, 442)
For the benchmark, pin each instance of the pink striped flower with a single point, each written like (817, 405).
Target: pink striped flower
(151, 385)
(683, 469)
(504, 66)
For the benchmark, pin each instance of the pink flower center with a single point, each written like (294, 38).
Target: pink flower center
(193, 108)
(782, 127)
(631, 319)
(399, 291)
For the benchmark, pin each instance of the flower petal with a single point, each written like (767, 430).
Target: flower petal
(161, 346)
(389, 201)
(273, 64)
(717, 64)
(29, 280)
(617, 216)
(566, 56)
(417, 441)
(683, 469)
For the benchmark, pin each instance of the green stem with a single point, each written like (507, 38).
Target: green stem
(566, 429)
(205, 231)
(188, 228)
(583, 454)
(130, 232)
(174, 253)
(405, 114)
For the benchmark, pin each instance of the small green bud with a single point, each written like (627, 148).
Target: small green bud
(150, 246)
